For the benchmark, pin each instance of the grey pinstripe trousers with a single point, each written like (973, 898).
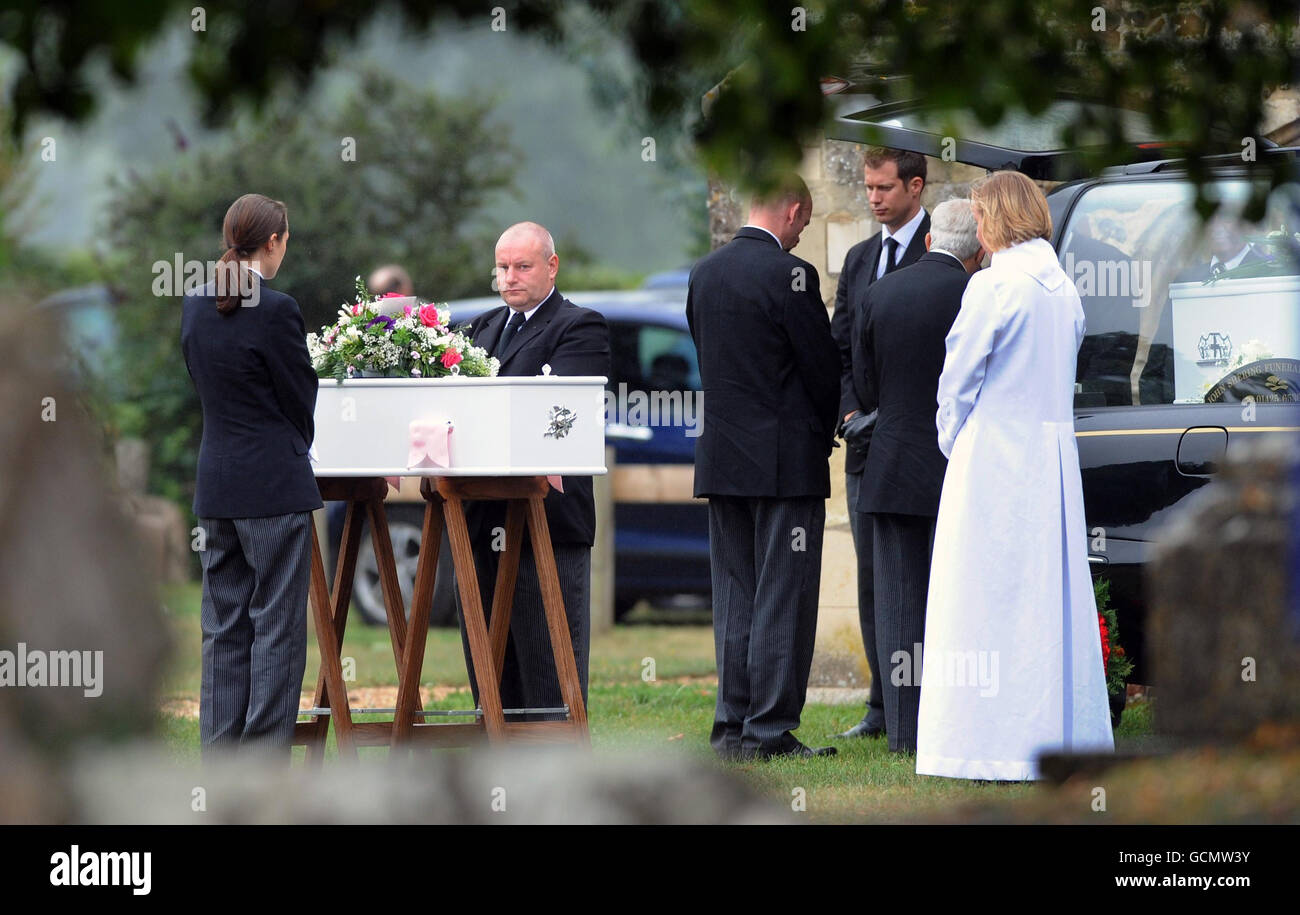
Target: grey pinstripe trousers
(256, 573)
(862, 527)
(903, 546)
(766, 558)
(528, 676)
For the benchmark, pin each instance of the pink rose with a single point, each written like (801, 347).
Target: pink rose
(406, 309)
(451, 357)
(392, 295)
(429, 316)
(356, 309)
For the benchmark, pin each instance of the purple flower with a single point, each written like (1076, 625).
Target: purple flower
(384, 320)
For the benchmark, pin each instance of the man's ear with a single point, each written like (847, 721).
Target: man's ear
(927, 241)
(916, 185)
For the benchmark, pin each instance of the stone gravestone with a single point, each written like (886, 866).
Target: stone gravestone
(1225, 650)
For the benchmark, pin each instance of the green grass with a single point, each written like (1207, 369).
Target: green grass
(617, 656)
(672, 713)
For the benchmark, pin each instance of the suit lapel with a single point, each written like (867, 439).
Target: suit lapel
(491, 332)
(872, 256)
(916, 247)
(532, 327)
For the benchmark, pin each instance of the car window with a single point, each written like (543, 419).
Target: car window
(652, 357)
(1180, 311)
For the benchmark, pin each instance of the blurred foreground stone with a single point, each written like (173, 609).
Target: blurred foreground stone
(534, 785)
(1225, 650)
(1253, 783)
(159, 523)
(72, 577)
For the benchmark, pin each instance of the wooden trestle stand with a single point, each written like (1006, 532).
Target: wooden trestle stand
(444, 498)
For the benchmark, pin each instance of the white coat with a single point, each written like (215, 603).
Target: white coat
(1012, 654)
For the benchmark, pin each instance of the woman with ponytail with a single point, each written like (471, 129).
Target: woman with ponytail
(246, 351)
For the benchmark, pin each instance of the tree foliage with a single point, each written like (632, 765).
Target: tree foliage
(1198, 70)
(424, 168)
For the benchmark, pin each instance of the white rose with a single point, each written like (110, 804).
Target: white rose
(1254, 350)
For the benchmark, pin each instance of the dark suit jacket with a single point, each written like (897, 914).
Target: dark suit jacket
(899, 358)
(858, 273)
(572, 341)
(769, 368)
(258, 392)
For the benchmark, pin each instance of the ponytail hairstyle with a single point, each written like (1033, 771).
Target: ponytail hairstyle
(249, 224)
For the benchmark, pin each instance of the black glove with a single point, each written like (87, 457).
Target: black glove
(856, 431)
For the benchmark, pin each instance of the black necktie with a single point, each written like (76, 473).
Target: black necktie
(891, 245)
(508, 332)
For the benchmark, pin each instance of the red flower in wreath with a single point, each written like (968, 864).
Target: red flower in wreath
(1105, 643)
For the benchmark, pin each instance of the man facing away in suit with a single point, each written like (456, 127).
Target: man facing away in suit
(894, 180)
(536, 327)
(898, 358)
(770, 378)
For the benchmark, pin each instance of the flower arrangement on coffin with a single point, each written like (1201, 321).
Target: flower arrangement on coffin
(419, 343)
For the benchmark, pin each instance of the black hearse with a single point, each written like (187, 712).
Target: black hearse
(1193, 329)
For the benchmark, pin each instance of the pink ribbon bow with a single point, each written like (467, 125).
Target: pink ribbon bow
(430, 445)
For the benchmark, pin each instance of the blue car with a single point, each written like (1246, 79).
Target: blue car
(661, 533)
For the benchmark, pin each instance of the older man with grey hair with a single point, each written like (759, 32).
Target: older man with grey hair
(898, 355)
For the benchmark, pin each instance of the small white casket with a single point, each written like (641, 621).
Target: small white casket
(1215, 323)
(516, 426)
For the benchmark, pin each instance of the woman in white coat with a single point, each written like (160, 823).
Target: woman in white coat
(1011, 663)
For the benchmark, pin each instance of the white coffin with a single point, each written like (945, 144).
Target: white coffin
(1228, 315)
(500, 425)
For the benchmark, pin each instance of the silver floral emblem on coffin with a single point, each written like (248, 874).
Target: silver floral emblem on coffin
(561, 420)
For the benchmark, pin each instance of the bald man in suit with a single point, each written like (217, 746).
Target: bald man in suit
(538, 326)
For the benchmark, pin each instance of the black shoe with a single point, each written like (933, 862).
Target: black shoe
(759, 754)
(862, 729)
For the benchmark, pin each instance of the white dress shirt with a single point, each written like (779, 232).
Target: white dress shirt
(768, 231)
(1233, 262)
(903, 236)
